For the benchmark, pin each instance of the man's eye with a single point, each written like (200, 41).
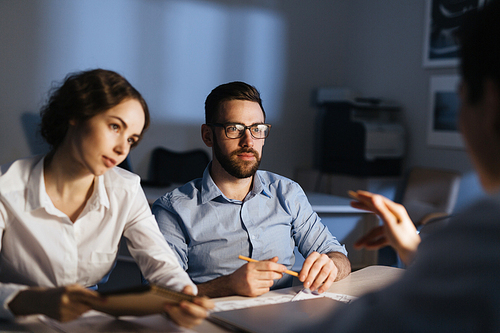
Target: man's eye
(256, 129)
(232, 129)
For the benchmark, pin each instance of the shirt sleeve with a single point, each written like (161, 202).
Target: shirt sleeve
(309, 232)
(170, 226)
(7, 290)
(152, 253)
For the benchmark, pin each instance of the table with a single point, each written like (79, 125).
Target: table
(356, 284)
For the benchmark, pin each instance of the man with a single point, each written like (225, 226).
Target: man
(236, 209)
(452, 283)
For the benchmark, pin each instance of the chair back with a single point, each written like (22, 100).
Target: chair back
(430, 193)
(168, 167)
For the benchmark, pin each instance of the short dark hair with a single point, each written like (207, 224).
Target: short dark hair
(81, 96)
(236, 90)
(479, 38)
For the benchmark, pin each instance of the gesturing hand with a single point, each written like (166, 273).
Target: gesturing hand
(397, 229)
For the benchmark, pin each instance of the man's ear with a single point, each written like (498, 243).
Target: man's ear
(207, 135)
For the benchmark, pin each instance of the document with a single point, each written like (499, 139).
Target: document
(301, 295)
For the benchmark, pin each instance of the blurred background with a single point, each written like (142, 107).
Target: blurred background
(176, 51)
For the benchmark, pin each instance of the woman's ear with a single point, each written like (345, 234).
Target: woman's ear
(207, 135)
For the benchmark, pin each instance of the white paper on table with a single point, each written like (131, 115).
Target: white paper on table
(246, 303)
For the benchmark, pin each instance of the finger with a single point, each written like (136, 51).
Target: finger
(273, 259)
(306, 266)
(319, 272)
(188, 289)
(374, 233)
(182, 317)
(204, 302)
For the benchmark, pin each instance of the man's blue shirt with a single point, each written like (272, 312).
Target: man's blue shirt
(208, 231)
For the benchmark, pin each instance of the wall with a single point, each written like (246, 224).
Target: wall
(175, 52)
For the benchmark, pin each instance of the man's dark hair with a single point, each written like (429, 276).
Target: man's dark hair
(83, 95)
(236, 90)
(479, 37)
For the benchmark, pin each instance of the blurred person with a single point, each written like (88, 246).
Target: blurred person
(451, 284)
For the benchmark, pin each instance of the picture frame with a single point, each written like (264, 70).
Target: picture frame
(442, 129)
(442, 19)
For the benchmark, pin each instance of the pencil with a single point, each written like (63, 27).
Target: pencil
(253, 260)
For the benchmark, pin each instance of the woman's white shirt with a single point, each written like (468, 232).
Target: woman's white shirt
(41, 246)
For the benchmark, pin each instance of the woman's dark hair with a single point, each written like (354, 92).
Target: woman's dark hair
(227, 92)
(83, 95)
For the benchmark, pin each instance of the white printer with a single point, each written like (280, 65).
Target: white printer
(358, 136)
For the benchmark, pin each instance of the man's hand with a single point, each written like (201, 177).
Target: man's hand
(251, 279)
(189, 314)
(397, 230)
(256, 278)
(319, 271)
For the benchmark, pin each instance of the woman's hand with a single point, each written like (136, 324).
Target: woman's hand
(397, 229)
(189, 314)
(62, 303)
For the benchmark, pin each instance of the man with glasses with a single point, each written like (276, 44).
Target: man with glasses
(236, 209)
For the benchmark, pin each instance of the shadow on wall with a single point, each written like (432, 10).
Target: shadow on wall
(31, 126)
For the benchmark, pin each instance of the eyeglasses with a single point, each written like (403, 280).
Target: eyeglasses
(236, 131)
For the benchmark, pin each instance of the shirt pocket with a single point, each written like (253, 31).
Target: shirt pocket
(98, 265)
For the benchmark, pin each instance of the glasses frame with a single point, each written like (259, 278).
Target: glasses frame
(224, 126)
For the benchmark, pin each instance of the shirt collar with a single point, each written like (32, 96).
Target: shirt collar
(38, 197)
(210, 191)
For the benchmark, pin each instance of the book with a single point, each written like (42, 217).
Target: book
(139, 301)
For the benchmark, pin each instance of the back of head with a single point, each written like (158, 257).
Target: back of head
(479, 37)
(236, 90)
(81, 96)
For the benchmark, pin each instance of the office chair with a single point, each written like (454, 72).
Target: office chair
(430, 194)
(168, 167)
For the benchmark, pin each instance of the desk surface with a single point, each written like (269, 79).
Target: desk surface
(358, 283)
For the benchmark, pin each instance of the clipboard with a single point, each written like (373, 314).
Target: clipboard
(139, 301)
(277, 318)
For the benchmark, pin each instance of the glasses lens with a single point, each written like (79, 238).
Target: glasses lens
(259, 131)
(234, 131)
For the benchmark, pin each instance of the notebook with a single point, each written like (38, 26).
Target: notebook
(276, 318)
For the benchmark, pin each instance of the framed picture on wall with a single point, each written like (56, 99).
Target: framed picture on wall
(442, 19)
(442, 130)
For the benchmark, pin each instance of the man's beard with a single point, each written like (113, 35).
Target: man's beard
(234, 166)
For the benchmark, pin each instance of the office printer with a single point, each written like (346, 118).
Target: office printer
(358, 136)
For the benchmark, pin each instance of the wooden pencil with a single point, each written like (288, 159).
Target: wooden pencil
(253, 260)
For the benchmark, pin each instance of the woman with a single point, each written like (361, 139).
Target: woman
(62, 215)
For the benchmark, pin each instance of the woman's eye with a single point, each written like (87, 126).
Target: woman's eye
(131, 141)
(115, 127)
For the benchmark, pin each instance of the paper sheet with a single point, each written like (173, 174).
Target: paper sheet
(303, 294)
